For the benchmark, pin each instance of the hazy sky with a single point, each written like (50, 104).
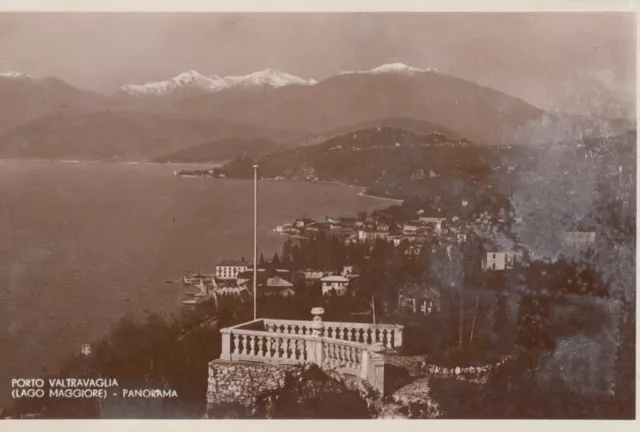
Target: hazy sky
(554, 60)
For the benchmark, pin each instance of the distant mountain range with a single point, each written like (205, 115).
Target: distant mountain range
(120, 135)
(268, 78)
(23, 98)
(48, 118)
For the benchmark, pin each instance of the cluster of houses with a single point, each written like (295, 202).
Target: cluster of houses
(235, 278)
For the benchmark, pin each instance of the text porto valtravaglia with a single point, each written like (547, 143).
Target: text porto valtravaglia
(83, 382)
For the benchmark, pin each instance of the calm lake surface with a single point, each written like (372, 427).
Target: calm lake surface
(83, 244)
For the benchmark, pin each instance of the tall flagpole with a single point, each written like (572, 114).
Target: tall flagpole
(255, 241)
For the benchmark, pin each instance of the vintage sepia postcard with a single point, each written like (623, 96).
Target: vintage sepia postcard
(322, 214)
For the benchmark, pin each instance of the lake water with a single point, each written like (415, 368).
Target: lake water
(83, 244)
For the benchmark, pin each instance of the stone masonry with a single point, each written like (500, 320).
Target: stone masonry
(242, 382)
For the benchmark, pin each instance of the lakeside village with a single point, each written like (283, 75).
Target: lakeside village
(426, 234)
(392, 289)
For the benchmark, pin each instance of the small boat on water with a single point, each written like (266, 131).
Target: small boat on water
(194, 278)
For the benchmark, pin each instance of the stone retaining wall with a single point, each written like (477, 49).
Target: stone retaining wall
(244, 382)
(471, 373)
(241, 383)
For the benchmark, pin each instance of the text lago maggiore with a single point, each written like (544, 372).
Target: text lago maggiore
(80, 388)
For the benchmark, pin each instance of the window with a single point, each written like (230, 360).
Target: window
(409, 305)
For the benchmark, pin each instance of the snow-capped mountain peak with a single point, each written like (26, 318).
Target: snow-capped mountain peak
(189, 77)
(396, 68)
(16, 75)
(268, 78)
(392, 68)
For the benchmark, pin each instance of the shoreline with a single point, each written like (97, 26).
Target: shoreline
(363, 189)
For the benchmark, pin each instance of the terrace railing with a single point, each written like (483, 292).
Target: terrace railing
(348, 348)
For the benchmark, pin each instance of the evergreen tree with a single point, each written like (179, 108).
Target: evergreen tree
(275, 262)
(287, 254)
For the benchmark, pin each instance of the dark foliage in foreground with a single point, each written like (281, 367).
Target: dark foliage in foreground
(157, 352)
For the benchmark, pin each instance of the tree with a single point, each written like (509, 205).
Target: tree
(287, 254)
(275, 262)
(262, 262)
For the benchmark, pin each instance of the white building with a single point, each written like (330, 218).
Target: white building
(498, 261)
(409, 228)
(310, 274)
(371, 235)
(277, 281)
(437, 221)
(335, 282)
(229, 269)
(284, 227)
(347, 270)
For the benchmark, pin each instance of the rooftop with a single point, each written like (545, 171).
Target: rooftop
(233, 263)
(334, 278)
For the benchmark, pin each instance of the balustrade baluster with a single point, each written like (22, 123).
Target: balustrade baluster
(252, 346)
(236, 344)
(282, 349)
(245, 345)
(285, 348)
(389, 344)
(276, 348)
(261, 343)
(268, 351)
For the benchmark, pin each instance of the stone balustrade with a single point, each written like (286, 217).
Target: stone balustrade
(348, 348)
(389, 335)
